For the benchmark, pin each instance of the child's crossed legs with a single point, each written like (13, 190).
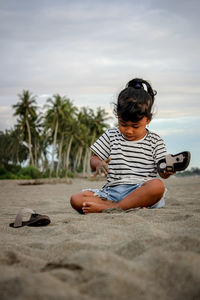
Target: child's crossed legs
(146, 195)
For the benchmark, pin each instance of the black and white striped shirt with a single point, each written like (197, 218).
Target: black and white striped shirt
(131, 162)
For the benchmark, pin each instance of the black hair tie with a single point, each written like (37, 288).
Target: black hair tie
(138, 86)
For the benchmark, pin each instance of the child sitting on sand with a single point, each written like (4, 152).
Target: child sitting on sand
(128, 155)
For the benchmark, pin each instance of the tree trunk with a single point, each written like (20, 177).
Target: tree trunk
(17, 154)
(36, 157)
(75, 160)
(88, 170)
(29, 143)
(43, 155)
(54, 148)
(78, 158)
(60, 153)
(93, 137)
(68, 152)
(86, 159)
(45, 164)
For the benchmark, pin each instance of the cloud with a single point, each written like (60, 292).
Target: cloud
(6, 120)
(94, 45)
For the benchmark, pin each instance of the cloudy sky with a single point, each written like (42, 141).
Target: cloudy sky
(89, 50)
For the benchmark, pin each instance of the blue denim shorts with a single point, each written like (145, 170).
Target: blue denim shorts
(118, 192)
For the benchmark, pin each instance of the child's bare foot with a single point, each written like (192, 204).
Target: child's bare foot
(93, 207)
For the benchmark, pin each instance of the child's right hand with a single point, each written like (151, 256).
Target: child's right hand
(166, 174)
(103, 167)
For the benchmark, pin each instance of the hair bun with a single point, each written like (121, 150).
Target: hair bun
(139, 83)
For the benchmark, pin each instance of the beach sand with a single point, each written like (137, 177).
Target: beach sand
(138, 254)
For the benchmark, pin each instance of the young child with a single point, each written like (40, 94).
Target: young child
(128, 155)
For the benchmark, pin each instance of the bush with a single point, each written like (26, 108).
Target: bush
(8, 175)
(10, 171)
(79, 170)
(45, 174)
(2, 171)
(53, 174)
(70, 174)
(13, 168)
(24, 177)
(63, 174)
(29, 172)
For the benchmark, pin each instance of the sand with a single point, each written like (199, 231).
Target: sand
(138, 254)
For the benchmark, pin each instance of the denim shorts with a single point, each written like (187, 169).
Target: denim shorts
(118, 192)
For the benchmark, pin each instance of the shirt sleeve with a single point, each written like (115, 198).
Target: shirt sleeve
(160, 150)
(102, 146)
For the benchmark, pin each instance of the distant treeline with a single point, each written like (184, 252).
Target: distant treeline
(191, 172)
(53, 141)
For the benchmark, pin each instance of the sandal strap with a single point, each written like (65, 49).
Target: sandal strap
(19, 217)
(171, 160)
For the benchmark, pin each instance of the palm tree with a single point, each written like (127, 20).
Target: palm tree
(66, 132)
(52, 120)
(97, 127)
(26, 111)
(12, 149)
(43, 146)
(17, 151)
(81, 138)
(57, 118)
(97, 123)
(36, 126)
(91, 125)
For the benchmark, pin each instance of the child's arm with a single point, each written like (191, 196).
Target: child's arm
(99, 165)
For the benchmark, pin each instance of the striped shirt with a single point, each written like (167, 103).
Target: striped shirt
(132, 162)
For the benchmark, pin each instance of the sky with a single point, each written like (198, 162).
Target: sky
(88, 51)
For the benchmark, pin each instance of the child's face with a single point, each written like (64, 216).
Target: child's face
(133, 131)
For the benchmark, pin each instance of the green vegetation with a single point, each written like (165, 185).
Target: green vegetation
(16, 172)
(54, 143)
(191, 172)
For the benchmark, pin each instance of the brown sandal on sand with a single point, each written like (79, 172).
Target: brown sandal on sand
(34, 221)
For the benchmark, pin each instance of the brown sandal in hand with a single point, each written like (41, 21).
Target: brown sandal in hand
(174, 162)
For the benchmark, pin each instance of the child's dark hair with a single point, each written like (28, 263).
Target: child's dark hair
(135, 101)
